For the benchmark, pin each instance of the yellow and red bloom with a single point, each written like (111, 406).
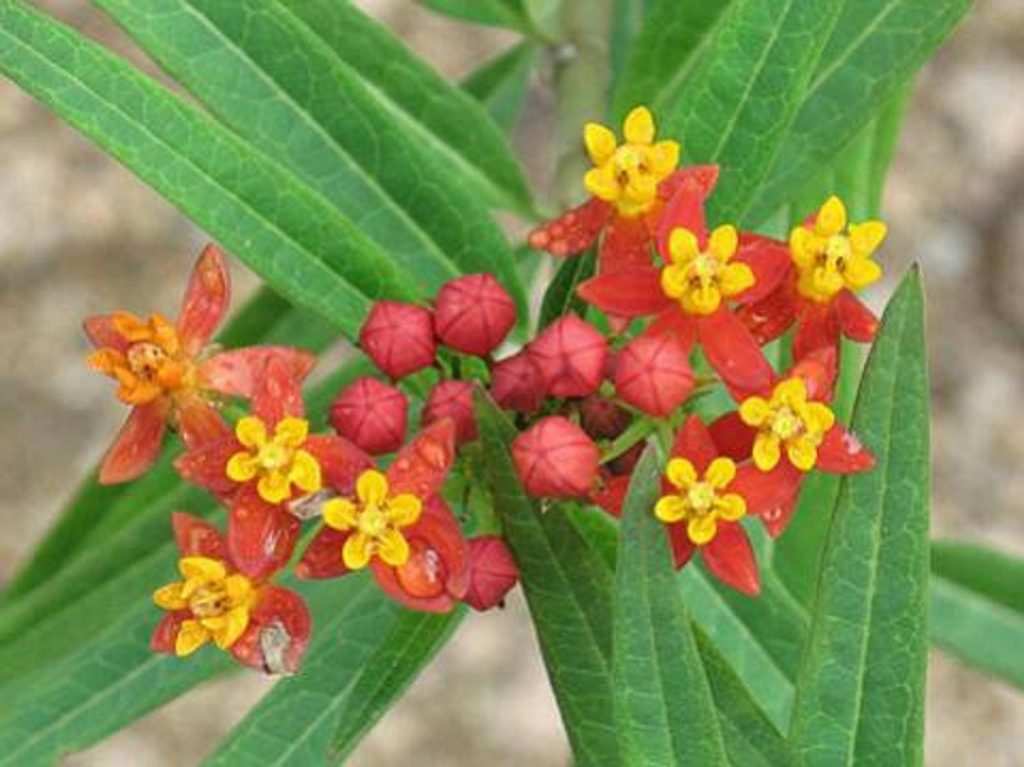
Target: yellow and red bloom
(630, 184)
(262, 625)
(830, 259)
(167, 375)
(692, 294)
(396, 523)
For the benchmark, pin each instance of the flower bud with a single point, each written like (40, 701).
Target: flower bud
(555, 459)
(516, 384)
(492, 572)
(453, 399)
(652, 373)
(371, 414)
(571, 357)
(473, 314)
(603, 419)
(399, 338)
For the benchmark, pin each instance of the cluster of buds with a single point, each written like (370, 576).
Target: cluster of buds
(584, 400)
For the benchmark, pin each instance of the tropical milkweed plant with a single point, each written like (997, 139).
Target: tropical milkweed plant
(699, 453)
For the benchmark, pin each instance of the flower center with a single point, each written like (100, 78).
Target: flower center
(374, 519)
(700, 279)
(209, 600)
(277, 461)
(151, 366)
(787, 420)
(700, 502)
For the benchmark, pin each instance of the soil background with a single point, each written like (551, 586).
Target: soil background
(79, 234)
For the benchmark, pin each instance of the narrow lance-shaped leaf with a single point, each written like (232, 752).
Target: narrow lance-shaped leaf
(561, 298)
(664, 713)
(498, 13)
(860, 692)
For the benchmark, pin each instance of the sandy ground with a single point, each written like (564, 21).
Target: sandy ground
(79, 234)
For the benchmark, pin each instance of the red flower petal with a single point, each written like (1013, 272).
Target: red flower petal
(703, 178)
(341, 462)
(278, 632)
(841, 452)
(817, 327)
(136, 445)
(206, 300)
(422, 465)
(278, 394)
(679, 541)
(100, 330)
(166, 632)
(199, 423)
(261, 537)
(772, 316)
(322, 558)
(574, 231)
(733, 438)
(674, 322)
(237, 372)
(857, 322)
(819, 370)
(693, 442)
(730, 558)
(631, 293)
(611, 494)
(734, 354)
(196, 537)
(206, 466)
(626, 245)
(780, 494)
(768, 259)
(766, 493)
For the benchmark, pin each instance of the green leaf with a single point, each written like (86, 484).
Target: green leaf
(663, 53)
(736, 106)
(568, 587)
(874, 50)
(663, 708)
(977, 608)
(497, 13)
(860, 692)
(285, 231)
(503, 83)
(560, 298)
(345, 107)
(751, 740)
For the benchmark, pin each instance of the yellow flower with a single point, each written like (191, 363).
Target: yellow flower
(789, 421)
(219, 603)
(375, 519)
(700, 280)
(627, 175)
(831, 256)
(279, 461)
(700, 502)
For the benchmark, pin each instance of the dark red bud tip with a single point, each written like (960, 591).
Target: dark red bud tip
(556, 459)
(371, 414)
(399, 338)
(454, 400)
(571, 356)
(603, 419)
(492, 572)
(652, 373)
(516, 384)
(473, 314)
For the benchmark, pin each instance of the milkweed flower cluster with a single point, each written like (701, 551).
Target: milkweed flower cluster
(584, 392)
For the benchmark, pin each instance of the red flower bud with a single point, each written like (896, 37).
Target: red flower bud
(571, 357)
(516, 384)
(371, 414)
(603, 419)
(473, 314)
(453, 399)
(555, 458)
(399, 338)
(492, 572)
(652, 373)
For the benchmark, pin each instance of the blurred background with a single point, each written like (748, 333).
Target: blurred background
(79, 234)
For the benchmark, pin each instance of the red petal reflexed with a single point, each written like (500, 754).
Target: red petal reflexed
(841, 452)
(857, 322)
(680, 543)
(322, 558)
(278, 393)
(341, 462)
(611, 494)
(693, 442)
(730, 558)
(492, 572)
(206, 466)
(101, 333)
(626, 245)
(574, 231)
(734, 354)
(206, 300)
(732, 438)
(196, 537)
(236, 373)
(819, 370)
(772, 316)
(421, 466)
(674, 322)
(632, 293)
(261, 536)
(777, 497)
(684, 210)
(166, 632)
(817, 327)
(701, 177)
(278, 632)
(768, 259)
(199, 423)
(136, 445)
